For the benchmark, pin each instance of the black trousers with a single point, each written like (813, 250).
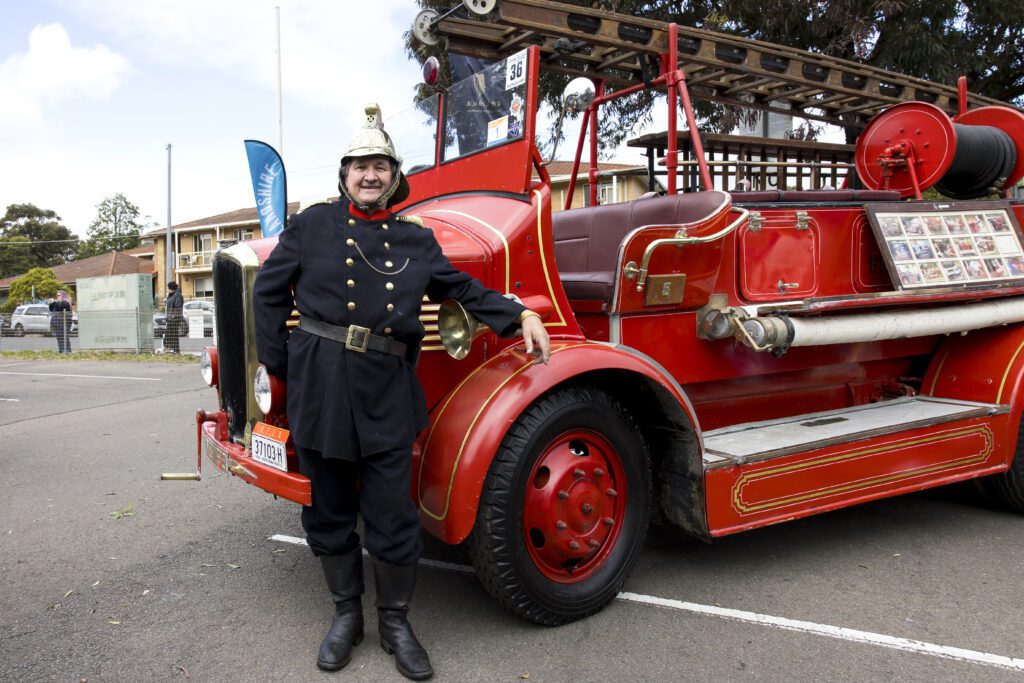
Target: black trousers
(172, 331)
(377, 486)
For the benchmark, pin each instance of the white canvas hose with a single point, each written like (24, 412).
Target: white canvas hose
(776, 332)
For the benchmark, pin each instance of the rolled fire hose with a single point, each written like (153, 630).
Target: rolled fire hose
(772, 332)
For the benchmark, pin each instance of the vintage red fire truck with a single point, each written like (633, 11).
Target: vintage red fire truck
(721, 360)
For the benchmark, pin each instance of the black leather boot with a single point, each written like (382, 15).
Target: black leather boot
(344, 574)
(395, 586)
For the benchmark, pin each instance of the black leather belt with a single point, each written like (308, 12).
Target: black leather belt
(354, 337)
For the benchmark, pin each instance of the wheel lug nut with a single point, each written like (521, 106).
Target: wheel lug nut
(594, 543)
(612, 492)
(598, 472)
(562, 495)
(573, 545)
(609, 521)
(560, 524)
(587, 508)
(578, 472)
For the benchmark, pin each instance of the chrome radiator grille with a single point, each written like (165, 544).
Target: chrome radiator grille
(229, 294)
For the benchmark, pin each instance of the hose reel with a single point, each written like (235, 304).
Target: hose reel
(915, 145)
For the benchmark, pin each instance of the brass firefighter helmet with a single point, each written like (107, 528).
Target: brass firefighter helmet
(372, 140)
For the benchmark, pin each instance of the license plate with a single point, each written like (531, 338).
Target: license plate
(268, 446)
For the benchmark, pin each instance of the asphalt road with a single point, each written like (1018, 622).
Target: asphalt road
(190, 586)
(41, 342)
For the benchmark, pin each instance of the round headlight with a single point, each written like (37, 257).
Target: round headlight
(261, 389)
(208, 366)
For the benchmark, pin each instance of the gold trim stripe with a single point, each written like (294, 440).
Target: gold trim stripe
(1006, 373)
(743, 508)
(544, 264)
(938, 370)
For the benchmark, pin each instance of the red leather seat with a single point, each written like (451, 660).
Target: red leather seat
(587, 240)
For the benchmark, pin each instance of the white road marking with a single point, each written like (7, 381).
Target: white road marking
(57, 374)
(896, 643)
(839, 632)
(12, 400)
(294, 540)
(11, 365)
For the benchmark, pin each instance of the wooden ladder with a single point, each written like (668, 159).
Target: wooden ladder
(624, 50)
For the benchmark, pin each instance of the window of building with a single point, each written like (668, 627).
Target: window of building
(203, 287)
(202, 242)
(242, 234)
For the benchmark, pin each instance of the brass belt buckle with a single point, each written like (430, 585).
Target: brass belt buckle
(357, 339)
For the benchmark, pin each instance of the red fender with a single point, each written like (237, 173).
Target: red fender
(985, 366)
(469, 425)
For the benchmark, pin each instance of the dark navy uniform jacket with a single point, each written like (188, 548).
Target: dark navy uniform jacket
(347, 268)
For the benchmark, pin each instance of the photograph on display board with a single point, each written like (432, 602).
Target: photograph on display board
(998, 222)
(891, 227)
(935, 225)
(956, 225)
(944, 248)
(948, 244)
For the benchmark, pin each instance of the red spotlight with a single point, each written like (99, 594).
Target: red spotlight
(431, 67)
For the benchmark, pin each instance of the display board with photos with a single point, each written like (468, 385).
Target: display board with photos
(948, 244)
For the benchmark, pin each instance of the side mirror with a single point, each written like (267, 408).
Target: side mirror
(578, 95)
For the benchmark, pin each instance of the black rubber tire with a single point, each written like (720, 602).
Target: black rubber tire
(1006, 489)
(19, 331)
(497, 544)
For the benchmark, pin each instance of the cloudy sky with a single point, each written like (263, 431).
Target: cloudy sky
(92, 91)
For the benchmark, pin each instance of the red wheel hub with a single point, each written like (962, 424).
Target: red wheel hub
(574, 505)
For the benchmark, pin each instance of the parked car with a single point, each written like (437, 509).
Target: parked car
(209, 313)
(208, 310)
(34, 319)
(159, 324)
(31, 319)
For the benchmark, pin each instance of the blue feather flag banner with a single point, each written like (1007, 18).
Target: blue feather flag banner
(270, 185)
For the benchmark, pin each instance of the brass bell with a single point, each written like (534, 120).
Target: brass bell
(457, 328)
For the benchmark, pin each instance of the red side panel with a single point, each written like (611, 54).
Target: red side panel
(781, 489)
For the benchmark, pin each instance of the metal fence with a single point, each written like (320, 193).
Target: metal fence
(131, 331)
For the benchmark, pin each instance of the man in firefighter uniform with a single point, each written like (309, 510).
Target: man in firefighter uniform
(357, 275)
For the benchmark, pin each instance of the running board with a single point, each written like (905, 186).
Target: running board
(756, 441)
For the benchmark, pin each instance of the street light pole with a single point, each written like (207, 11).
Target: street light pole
(280, 118)
(169, 270)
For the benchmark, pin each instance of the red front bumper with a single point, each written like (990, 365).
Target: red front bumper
(234, 460)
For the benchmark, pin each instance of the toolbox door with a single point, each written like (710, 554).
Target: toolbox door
(779, 253)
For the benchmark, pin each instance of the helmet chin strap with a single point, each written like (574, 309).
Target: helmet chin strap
(381, 202)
